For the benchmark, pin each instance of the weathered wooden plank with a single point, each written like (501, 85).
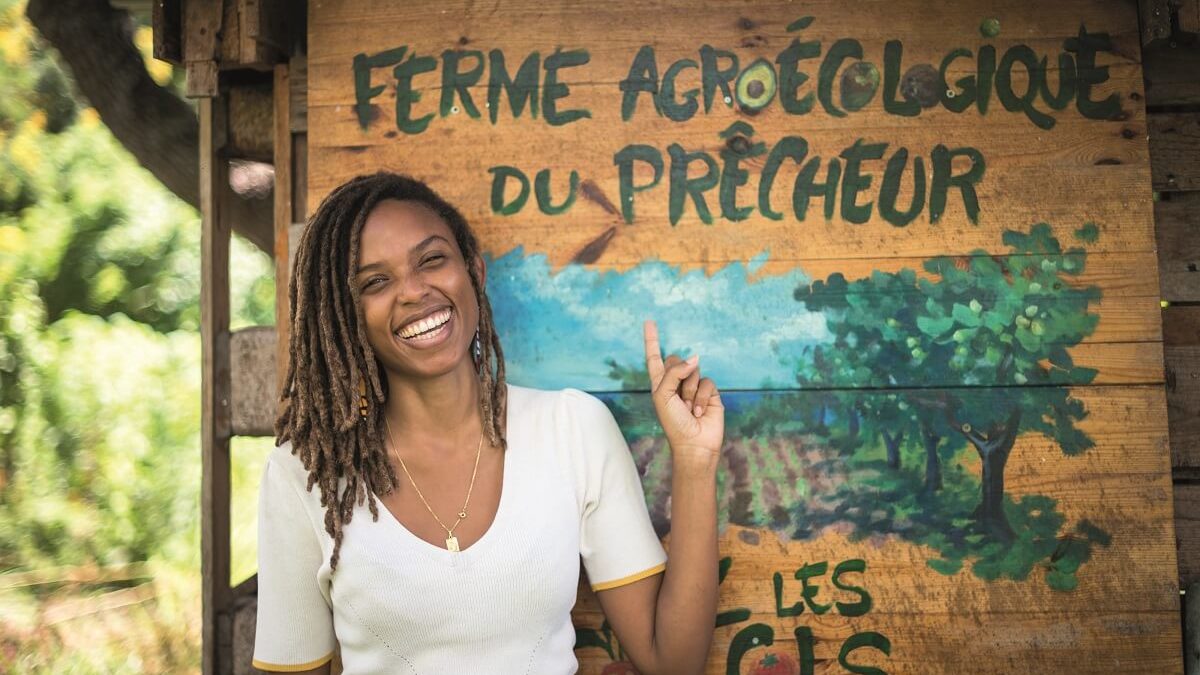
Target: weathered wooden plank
(1155, 19)
(202, 23)
(298, 110)
(1189, 16)
(1191, 624)
(249, 17)
(262, 33)
(300, 177)
(230, 39)
(1187, 532)
(215, 388)
(1181, 349)
(1176, 222)
(1171, 74)
(284, 178)
(1175, 150)
(254, 386)
(166, 20)
(1073, 158)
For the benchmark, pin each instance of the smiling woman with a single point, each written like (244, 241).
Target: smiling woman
(395, 367)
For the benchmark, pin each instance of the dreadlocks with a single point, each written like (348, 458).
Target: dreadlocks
(330, 361)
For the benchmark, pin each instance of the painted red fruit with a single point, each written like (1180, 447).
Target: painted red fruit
(620, 668)
(775, 663)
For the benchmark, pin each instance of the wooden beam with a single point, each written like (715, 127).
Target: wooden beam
(1189, 22)
(1172, 74)
(1174, 150)
(166, 20)
(202, 21)
(283, 218)
(1191, 628)
(1155, 18)
(1181, 352)
(215, 389)
(1187, 533)
(1176, 222)
(299, 89)
(300, 178)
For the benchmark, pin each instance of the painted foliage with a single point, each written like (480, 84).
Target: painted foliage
(910, 241)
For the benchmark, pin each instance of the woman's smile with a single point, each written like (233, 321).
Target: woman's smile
(428, 332)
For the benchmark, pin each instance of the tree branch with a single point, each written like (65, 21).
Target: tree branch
(158, 128)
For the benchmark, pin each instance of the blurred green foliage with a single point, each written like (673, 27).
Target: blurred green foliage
(100, 366)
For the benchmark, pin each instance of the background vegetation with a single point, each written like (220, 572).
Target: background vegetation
(99, 386)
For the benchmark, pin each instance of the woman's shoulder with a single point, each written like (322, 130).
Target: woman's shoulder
(285, 466)
(565, 405)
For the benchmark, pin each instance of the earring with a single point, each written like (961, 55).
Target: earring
(476, 347)
(362, 398)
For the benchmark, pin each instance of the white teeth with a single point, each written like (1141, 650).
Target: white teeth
(428, 323)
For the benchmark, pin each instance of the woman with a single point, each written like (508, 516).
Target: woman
(491, 492)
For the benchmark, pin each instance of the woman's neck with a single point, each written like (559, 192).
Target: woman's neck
(436, 413)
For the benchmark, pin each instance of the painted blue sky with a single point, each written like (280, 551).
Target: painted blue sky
(558, 329)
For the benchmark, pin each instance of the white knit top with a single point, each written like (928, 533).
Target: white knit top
(400, 605)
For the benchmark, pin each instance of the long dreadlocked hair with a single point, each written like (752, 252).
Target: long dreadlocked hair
(330, 361)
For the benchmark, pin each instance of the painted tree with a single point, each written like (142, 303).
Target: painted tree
(876, 338)
(986, 322)
(1005, 322)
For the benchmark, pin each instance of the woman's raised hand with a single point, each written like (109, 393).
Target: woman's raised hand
(688, 406)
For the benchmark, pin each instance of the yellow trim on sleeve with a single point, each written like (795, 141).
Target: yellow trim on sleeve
(637, 576)
(284, 668)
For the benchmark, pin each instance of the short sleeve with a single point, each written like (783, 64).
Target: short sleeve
(294, 628)
(617, 542)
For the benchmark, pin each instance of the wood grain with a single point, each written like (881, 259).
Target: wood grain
(1181, 349)
(1187, 532)
(215, 388)
(1176, 221)
(284, 178)
(1174, 144)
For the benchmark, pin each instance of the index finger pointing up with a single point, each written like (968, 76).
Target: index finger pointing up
(654, 361)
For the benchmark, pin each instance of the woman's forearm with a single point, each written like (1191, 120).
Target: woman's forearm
(687, 602)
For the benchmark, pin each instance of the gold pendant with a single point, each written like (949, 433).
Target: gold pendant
(452, 543)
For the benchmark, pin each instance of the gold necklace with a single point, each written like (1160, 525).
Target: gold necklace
(451, 540)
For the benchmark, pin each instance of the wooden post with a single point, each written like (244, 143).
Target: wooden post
(1191, 627)
(283, 216)
(215, 395)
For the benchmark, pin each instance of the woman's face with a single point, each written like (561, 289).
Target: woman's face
(420, 308)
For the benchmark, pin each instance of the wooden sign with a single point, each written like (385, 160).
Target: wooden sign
(913, 241)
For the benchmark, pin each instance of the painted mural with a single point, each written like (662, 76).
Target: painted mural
(924, 464)
(911, 242)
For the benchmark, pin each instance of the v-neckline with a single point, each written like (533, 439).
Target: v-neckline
(412, 541)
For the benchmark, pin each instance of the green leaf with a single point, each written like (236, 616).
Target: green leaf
(945, 566)
(1060, 357)
(935, 327)
(1061, 581)
(1028, 340)
(965, 316)
(992, 355)
(1088, 233)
